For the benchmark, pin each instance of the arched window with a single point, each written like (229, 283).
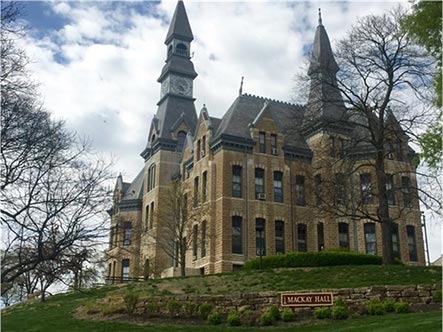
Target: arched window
(181, 49)
(181, 136)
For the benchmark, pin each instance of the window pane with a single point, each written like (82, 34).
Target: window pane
(395, 241)
(203, 239)
(390, 189)
(237, 235)
(125, 270)
(343, 235)
(194, 242)
(406, 189)
(236, 181)
(260, 245)
(127, 233)
(370, 239)
(301, 231)
(412, 245)
(340, 189)
(320, 237)
(366, 188)
(181, 136)
(300, 190)
(279, 237)
(259, 182)
(262, 142)
(278, 187)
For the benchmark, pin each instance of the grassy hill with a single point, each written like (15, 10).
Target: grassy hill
(57, 313)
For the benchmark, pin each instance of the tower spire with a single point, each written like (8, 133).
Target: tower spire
(179, 27)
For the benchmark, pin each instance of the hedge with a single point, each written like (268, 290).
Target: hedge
(312, 259)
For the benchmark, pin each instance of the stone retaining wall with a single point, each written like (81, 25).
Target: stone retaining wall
(420, 298)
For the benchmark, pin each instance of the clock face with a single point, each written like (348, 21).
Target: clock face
(181, 86)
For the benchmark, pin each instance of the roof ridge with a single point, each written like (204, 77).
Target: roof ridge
(272, 100)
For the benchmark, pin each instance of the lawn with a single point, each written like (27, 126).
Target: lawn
(56, 314)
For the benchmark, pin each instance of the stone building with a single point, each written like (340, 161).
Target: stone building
(271, 176)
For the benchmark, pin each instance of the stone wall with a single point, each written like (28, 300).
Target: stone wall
(420, 298)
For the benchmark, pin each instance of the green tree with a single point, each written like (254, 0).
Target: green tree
(424, 26)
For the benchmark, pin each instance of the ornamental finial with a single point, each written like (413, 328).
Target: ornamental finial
(240, 91)
(319, 17)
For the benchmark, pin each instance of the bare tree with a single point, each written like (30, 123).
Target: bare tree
(176, 221)
(380, 68)
(54, 187)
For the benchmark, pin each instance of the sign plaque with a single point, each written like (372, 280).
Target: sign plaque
(306, 299)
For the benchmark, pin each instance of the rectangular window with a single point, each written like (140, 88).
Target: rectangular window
(340, 189)
(412, 245)
(198, 150)
(260, 244)
(196, 191)
(237, 243)
(332, 146)
(370, 238)
(151, 177)
(279, 237)
(236, 181)
(262, 142)
(147, 217)
(301, 237)
(390, 194)
(300, 190)
(203, 239)
(343, 235)
(406, 189)
(278, 187)
(390, 151)
(127, 233)
(274, 150)
(318, 189)
(194, 242)
(395, 241)
(366, 188)
(203, 153)
(151, 217)
(204, 186)
(320, 236)
(259, 183)
(125, 269)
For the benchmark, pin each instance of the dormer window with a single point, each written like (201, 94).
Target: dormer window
(181, 49)
(181, 136)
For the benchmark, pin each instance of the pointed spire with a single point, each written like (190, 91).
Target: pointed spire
(322, 58)
(179, 26)
(240, 91)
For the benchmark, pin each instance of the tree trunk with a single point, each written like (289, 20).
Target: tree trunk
(383, 210)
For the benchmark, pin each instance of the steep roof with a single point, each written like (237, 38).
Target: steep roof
(134, 190)
(288, 118)
(179, 26)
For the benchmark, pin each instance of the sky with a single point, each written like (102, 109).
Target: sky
(97, 62)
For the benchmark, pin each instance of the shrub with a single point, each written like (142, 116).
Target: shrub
(204, 310)
(389, 305)
(376, 307)
(130, 299)
(266, 319)
(190, 308)
(339, 312)
(436, 296)
(312, 259)
(248, 318)
(287, 315)
(322, 312)
(234, 318)
(274, 312)
(151, 309)
(215, 318)
(174, 308)
(401, 307)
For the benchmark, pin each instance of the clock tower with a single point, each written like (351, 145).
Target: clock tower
(176, 111)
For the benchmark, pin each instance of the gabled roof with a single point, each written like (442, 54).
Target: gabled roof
(179, 26)
(288, 118)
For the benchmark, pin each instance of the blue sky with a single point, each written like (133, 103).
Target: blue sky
(97, 62)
